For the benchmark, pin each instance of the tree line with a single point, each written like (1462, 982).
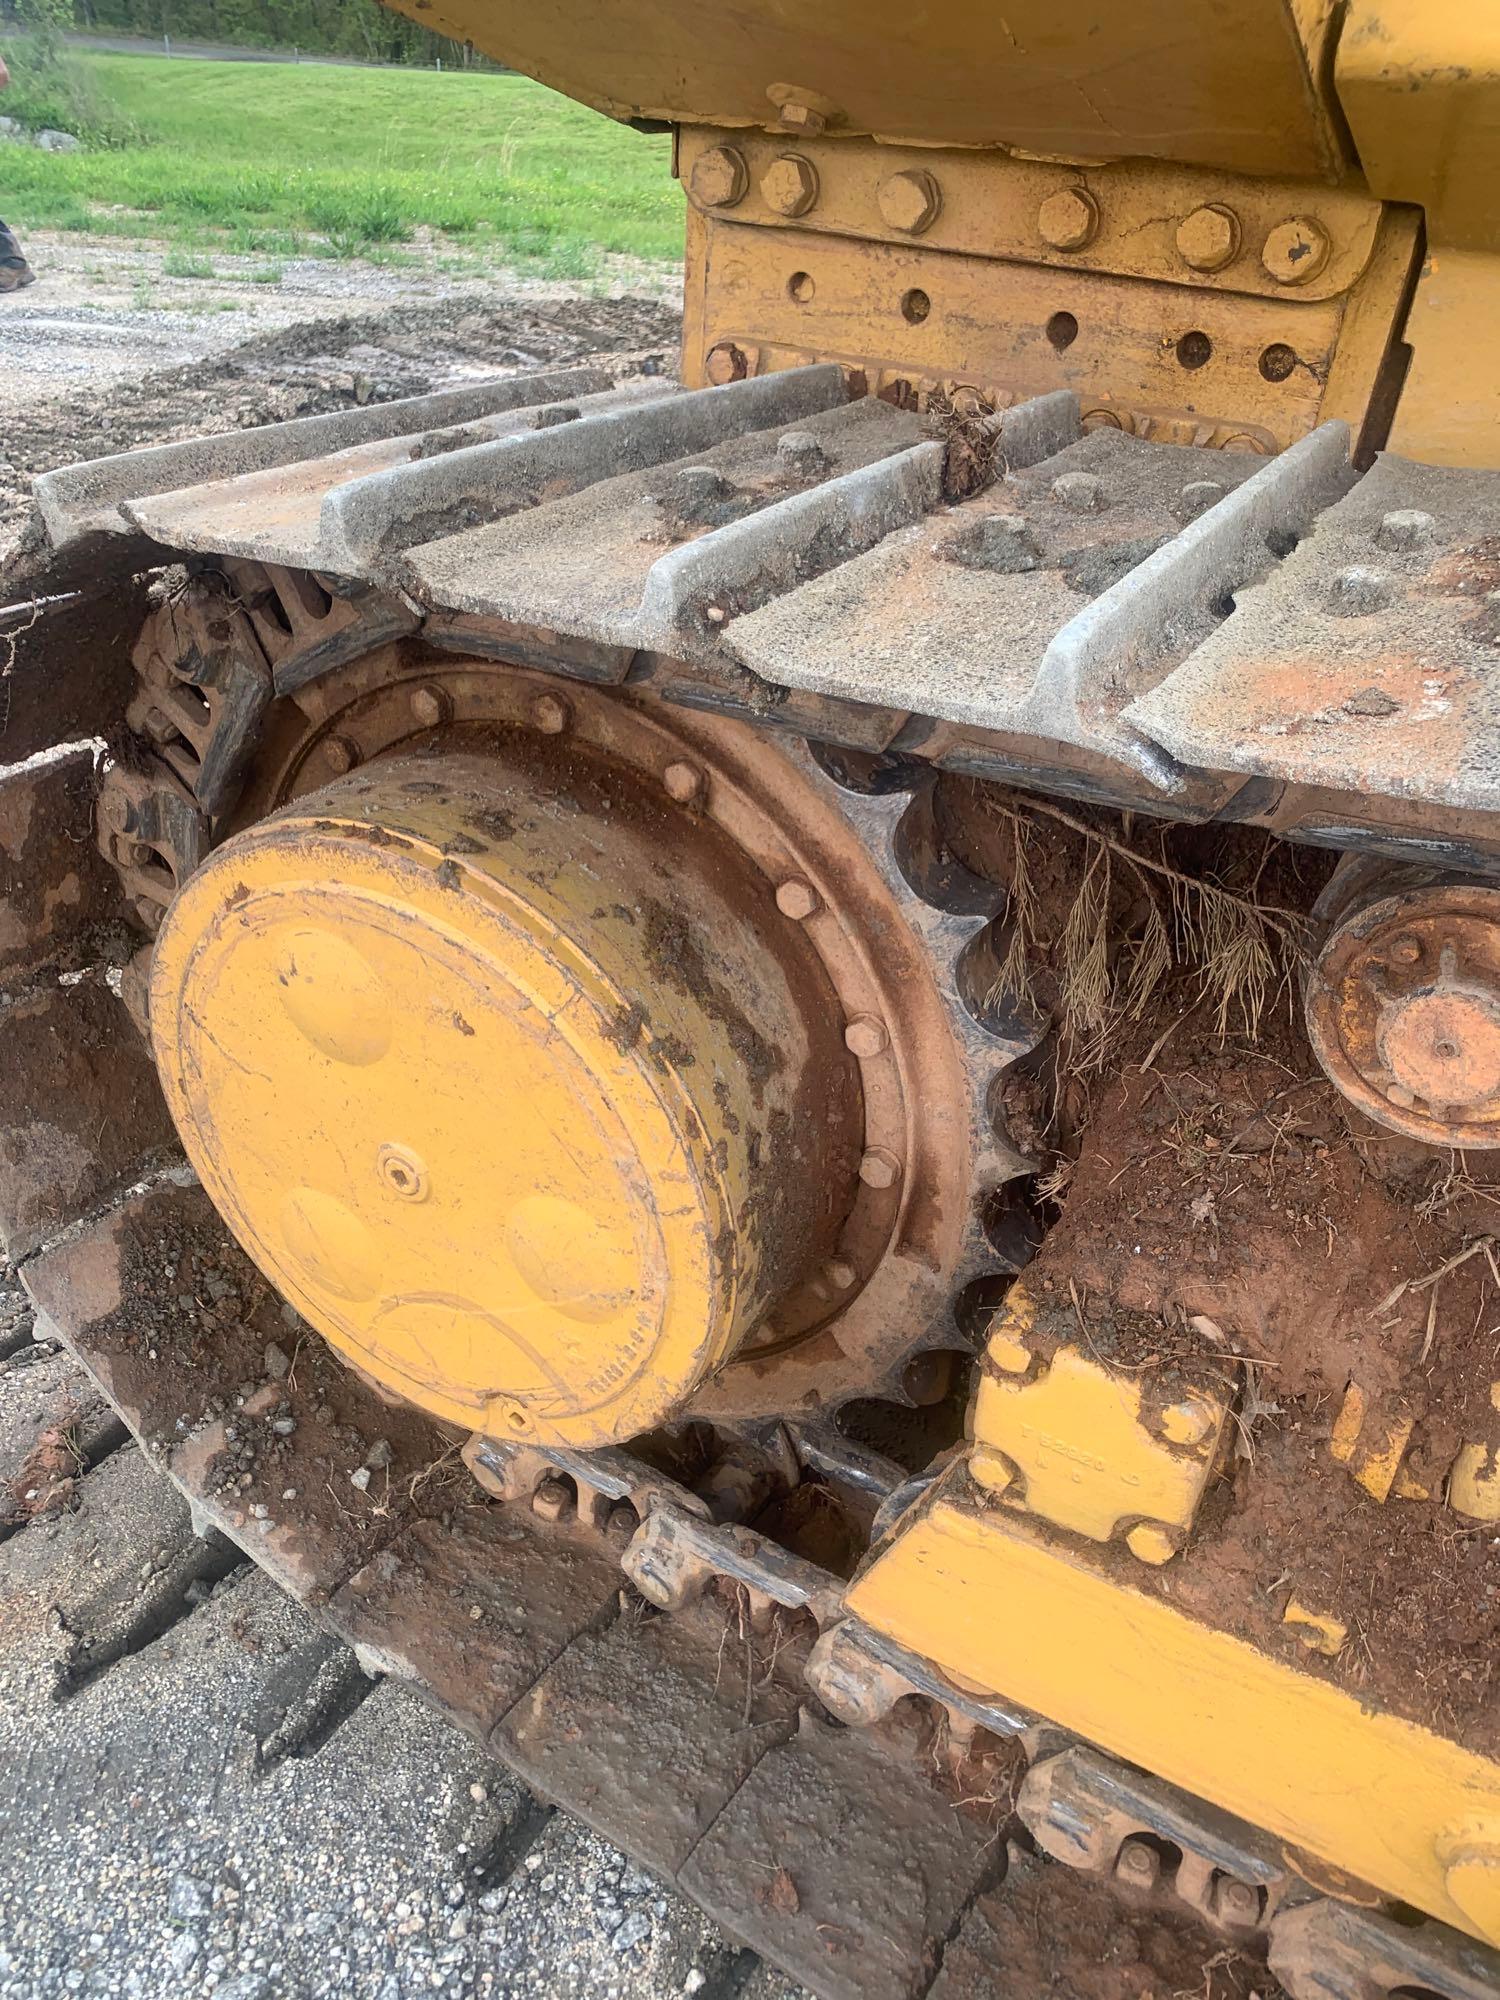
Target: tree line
(360, 28)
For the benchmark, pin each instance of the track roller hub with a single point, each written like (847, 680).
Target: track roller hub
(510, 1076)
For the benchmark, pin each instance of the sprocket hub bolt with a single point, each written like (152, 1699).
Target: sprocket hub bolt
(879, 1168)
(428, 708)
(339, 755)
(550, 713)
(797, 899)
(841, 1275)
(866, 1037)
(683, 782)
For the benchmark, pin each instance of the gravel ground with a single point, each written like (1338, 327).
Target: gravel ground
(189, 1822)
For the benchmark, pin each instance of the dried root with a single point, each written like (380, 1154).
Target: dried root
(1238, 948)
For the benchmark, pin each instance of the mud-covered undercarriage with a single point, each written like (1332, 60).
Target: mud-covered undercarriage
(892, 1063)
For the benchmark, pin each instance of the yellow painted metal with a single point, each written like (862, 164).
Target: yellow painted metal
(442, 1052)
(1068, 1440)
(1419, 81)
(1372, 1444)
(1044, 75)
(994, 1600)
(1319, 1631)
(1278, 361)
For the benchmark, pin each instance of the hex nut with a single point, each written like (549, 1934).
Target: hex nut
(1296, 250)
(789, 184)
(879, 1168)
(796, 899)
(1208, 238)
(1068, 219)
(719, 177)
(550, 713)
(683, 782)
(865, 1036)
(910, 200)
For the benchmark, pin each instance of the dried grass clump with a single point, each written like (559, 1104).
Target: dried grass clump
(1239, 949)
(970, 434)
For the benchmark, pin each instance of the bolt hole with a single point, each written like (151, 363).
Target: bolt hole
(517, 1420)
(1194, 349)
(1277, 361)
(1281, 542)
(1062, 330)
(1445, 1051)
(800, 288)
(915, 306)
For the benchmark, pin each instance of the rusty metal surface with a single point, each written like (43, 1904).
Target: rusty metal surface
(1402, 1006)
(1367, 660)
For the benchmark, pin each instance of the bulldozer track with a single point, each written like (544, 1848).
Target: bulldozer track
(683, 1685)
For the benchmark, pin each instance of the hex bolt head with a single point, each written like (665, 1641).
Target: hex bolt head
(621, 1523)
(551, 714)
(1068, 219)
(909, 201)
(790, 184)
(552, 1499)
(719, 177)
(726, 363)
(1406, 951)
(1405, 528)
(428, 707)
(1138, 1864)
(339, 754)
(799, 117)
(866, 1037)
(1208, 238)
(683, 782)
(797, 899)
(1149, 1543)
(840, 1274)
(1296, 250)
(1188, 1421)
(1081, 492)
(879, 1169)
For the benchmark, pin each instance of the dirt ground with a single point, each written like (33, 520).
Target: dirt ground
(106, 351)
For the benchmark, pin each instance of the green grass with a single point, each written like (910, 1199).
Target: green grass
(273, 159)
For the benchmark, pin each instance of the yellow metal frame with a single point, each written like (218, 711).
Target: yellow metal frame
(995, 1602)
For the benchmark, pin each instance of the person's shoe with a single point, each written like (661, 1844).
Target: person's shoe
(16, 277)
